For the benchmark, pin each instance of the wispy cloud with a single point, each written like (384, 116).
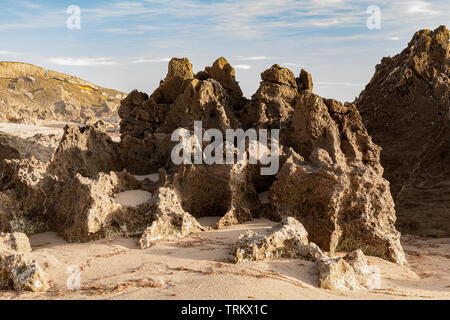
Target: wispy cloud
(83, 62)
(147, 60)
(345, 84)
(243, 66)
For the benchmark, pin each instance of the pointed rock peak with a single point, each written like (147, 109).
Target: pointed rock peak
(221, 69)
(433, 42)
(280, 75)
(180, 68)
(224, 73)
(305, 82)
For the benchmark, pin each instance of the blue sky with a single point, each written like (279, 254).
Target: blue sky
(127, 44)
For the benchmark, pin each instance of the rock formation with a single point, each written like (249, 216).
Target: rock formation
(288, 239)
(406, 109)
(17, 270)
(330, 178)
(29, 93)
(169, 220)
(336, 273)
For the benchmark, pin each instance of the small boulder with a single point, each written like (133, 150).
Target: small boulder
(288, 239)
(19, 273)
(358, 261)
(335, 274)
(170, 221)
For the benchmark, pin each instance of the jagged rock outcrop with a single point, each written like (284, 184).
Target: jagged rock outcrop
(17, 270)
(87, 151)
(406, 109)
(288, 239)
(13, 147)
(169, 220)
(330, 178)
(358, 261)
(29, 93)
(74, 194)
(148, 122)
(84, 209)
(336, 274)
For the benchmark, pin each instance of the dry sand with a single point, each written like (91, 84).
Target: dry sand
(200, 266)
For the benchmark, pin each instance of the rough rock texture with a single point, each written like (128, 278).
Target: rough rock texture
(330, 178)
(288, 239)
(12, 147)
(85, 209)
(26, 187)
(234, 216)
(148, 122)
(358, 261)
(336, 273)
(73, 194)
(15, 241)
(406, 109)
(214, 190)
(87, 151)
(169, 220)
(29, 93)
(17, 272)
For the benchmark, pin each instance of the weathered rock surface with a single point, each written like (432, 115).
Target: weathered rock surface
(336, 274)
(330, 179)
(12, 147)
(29, 93)
(17, 271)
(406, 109)
(288, 239)
(358, 261)
(169, 220)
(85, 209)
(87, 151)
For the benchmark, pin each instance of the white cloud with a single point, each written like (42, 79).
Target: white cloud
(345, 84)
(8, 53)
(420, 7)
(254, 58)
(83, 62)
(145, 60)
(243, 66)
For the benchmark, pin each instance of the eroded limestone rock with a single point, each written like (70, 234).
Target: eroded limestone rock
(17, 272)
(87, 151)
(288, 239)
(169, 220)
(336, 274)
(406, 110)
(86, 208)
(330, 179)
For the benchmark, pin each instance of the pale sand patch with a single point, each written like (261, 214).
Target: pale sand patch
(200, 267)
(154, 177)
(27, 130)
(132, 198)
